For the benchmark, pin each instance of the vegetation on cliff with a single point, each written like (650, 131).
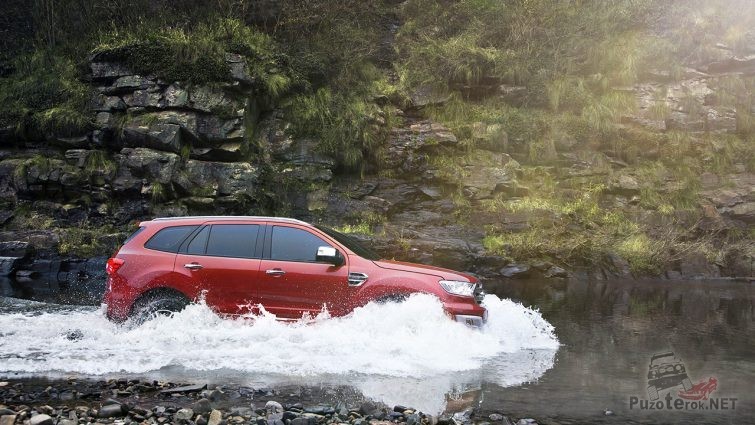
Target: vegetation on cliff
(616, 124)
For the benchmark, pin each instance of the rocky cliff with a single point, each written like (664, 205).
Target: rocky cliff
(481, 196)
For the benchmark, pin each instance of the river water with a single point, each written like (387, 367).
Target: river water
(565, 351)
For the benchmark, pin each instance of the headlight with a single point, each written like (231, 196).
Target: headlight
(456, 287)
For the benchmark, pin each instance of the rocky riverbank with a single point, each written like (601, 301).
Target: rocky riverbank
(133, 401)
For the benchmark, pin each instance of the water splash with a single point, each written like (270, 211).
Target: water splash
(375, 344)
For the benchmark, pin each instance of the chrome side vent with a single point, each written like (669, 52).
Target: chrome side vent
(356, 279)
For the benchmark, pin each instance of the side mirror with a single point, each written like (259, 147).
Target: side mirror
(328, 254)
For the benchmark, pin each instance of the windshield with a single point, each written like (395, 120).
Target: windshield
(351, 243)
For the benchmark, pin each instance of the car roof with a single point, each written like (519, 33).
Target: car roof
(230, 217)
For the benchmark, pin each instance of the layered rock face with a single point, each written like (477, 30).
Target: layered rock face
(168, 148)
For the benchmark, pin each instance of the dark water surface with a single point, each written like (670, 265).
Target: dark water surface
(608, 331)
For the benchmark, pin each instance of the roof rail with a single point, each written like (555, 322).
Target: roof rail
(233, 217)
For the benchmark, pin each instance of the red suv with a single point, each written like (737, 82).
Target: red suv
(288, 266)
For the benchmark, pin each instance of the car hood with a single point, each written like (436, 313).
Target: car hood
(442, 273)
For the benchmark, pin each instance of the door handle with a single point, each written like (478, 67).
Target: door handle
(275, 272)
(193, 266)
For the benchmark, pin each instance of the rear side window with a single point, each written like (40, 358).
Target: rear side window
(199, 243)
(169, 238)
(133, 235)
(232, 240)
(292, 244)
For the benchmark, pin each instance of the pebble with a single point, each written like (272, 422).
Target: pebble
(495, 417)
(184, 414)
(41, 419)
(215, 417)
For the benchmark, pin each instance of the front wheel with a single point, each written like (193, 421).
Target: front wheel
(159, 304)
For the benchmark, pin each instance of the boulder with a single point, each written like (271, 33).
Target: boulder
(108, 70)
(409, 148)
(299, 152)
(211, 100)
(161, 132)
(130, 83)
(101, 102)
(238, 68)
(143, 98)
(207, 178)
(226, 152)
(513, 95)
(175, 96)
(426, 95)
(147, 163)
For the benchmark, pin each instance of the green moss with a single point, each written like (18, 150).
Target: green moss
(43, 96)
(84, 241)
(197, 54)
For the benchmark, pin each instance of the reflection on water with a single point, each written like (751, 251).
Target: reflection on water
(609, 331)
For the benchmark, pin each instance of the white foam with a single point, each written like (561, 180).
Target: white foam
(378, 341)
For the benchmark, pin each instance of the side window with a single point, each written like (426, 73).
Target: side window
(232, 240)
(169, 238)
(291, 244)
(198, 244)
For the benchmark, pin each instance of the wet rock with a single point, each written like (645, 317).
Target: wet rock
(202, 406)
(8, 265)
(184, 415)
(304, 421)
(412, 419)
(185, 389)
(112, 410)
(515, 270)
(273, 410)
(495, 417)
(41, 419)
(555, 271)
(7, 419)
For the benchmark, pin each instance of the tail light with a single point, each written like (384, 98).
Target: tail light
(113, 264)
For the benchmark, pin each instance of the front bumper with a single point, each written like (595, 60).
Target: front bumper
(473, 321)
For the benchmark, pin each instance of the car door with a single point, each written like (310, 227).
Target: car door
(223, 260)
(292, 282)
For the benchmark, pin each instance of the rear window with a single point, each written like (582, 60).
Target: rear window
(232, 240)
(169, 238)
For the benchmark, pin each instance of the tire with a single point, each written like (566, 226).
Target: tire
(653, 393)
(687, 384)
(156, 304)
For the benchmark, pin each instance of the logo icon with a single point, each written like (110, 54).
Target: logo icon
(669, 387)
(666, 371)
